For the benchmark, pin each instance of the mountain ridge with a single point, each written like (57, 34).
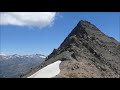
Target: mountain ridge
(86, 52)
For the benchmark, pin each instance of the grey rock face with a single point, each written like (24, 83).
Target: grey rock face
(87, 52)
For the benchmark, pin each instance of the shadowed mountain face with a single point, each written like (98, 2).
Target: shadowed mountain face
(87, 52)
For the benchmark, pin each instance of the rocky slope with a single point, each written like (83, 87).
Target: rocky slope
(87, 52)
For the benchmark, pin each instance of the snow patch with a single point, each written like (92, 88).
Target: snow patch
(47, 72)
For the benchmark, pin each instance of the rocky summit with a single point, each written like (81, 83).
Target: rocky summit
(87, 53)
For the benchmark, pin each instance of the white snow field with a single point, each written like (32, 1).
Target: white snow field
(47, 72)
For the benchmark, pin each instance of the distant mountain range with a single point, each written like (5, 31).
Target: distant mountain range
(86, 53)
(15, 66)
(5, 57)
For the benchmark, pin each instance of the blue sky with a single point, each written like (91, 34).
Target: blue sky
(16, 39)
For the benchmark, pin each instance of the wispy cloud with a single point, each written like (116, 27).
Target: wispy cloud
(36, 19)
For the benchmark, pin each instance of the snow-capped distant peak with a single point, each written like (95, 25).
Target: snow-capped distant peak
(16, 55)
(43, 56)
(2, 54)
(27, 55)
(22, 56)
(38, 55)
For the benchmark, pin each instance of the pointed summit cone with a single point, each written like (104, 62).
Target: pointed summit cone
(87, 52)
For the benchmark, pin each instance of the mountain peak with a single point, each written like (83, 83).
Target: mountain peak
(87, 52)
(81, 22)
(83, 31)
(86, 25)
